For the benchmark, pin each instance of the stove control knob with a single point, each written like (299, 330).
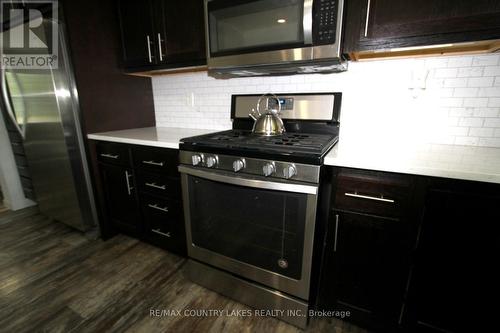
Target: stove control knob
(268, 169)
(211, 161)
(196, 159)
(289, 171)
(238, 165)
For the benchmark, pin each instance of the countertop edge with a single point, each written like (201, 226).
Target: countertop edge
(151, 143)
(426, 172)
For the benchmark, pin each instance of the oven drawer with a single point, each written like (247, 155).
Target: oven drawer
(164, 224)
(113, 153)
(159, 185)
(160, 160)
(372, 192)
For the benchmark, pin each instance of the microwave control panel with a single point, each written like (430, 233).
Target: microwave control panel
(325, 21)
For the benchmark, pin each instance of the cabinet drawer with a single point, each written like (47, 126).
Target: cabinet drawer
(159, 185)
(156, 160)
(372, 192)
(164, 223)
(113, 153)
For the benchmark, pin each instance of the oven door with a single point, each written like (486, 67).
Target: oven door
(237, 27)
(259, 229)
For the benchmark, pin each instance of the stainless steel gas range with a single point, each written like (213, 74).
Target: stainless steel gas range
(251, 203)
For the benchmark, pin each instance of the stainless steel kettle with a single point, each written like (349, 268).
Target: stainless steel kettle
(269, 122)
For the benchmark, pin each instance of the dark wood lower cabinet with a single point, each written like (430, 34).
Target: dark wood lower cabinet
(367, 266)
(121, 198)
(430, 267)
(142, 194)
(455, 279)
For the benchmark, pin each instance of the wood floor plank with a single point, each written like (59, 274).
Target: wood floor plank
(55, 279)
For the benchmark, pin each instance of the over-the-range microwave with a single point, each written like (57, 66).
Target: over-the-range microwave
(262, 37)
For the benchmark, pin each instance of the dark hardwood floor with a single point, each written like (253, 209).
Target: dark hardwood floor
(54, 279)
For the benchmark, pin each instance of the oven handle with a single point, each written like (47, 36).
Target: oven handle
(307, 21)
(249, 182)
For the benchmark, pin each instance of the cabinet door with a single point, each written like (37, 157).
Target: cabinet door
(395, 23)
(456, 273)
(137, 33)
(181, 34)
(366, 268)
(121, 200)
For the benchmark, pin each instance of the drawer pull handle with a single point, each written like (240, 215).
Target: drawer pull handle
(127, 179)
(336, 232)
(153, 163)
(110, 156)
(153, 185)
(157, 231)
(368, 197)
(155, 206)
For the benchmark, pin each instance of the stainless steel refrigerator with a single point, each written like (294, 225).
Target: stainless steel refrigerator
(42, 104)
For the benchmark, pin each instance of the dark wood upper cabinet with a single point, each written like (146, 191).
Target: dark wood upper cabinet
(161, 34)
(182, 31)
(385, 24)
(137, 33)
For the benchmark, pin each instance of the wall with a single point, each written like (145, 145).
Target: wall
(448, 100)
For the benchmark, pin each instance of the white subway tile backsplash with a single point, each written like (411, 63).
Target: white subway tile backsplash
(460, 62)
(466, 141)
(494, 102)
(475, 102)
(476, 122)
(486, 112)
(470, 72)
(489, 92)
(489, 142)
(491, 71)
(492, 122)
(481, 132)
(460, 112)
(446, 72)
(485, 60)
(480, 82)
(451, 102)
(456, 82)
(459, 103)
(465, 92)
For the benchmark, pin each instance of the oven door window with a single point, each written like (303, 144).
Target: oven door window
(251, 26)
(263, 228)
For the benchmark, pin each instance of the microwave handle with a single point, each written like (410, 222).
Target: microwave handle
(307, 21)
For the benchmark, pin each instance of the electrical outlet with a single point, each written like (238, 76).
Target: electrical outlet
(190, 100)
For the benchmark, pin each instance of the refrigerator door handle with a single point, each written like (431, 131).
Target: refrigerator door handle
(8, 106)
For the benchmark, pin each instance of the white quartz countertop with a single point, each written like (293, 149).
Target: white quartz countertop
(448, 161)
(164, 137)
